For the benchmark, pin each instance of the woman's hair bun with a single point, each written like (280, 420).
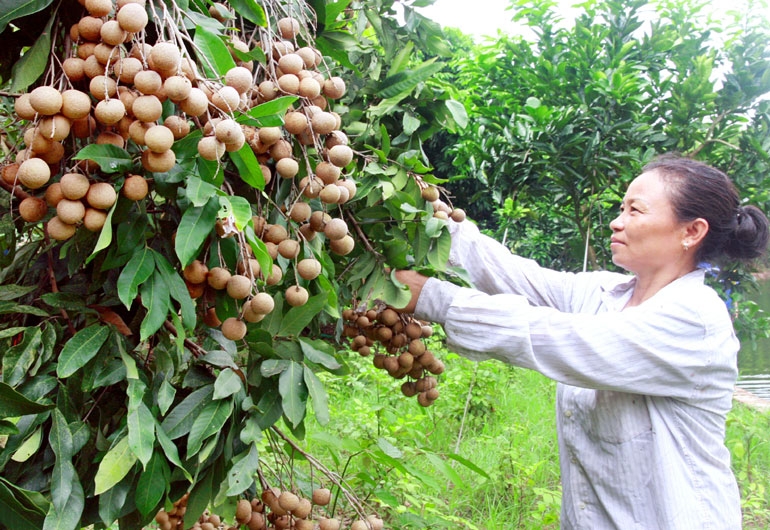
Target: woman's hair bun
(750, 236)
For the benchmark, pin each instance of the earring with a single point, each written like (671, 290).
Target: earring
(685, 246)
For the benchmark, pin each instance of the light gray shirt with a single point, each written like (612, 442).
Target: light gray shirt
(643, 392)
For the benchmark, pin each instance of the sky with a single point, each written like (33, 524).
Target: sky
(485, 17)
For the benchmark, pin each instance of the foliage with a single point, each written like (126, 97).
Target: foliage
(121, 394)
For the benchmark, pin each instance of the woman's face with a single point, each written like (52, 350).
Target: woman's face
(646, 236)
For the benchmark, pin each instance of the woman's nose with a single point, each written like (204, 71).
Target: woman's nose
(616, 224)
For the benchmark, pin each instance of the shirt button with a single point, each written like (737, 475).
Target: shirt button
(573, 460)
(582, 506)
(567, 413)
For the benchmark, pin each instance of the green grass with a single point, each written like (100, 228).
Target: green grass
(484, 456)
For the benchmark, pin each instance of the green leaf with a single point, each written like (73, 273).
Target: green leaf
(177, 289)
(113, 501)
(194, 227)
(80, 349)
(273, 107)
(170, 450)
(14, 404)
(13, 291)
(12, 9)
(394, 293)
(227, 383)
(467, 463)
(237, 207)
(297, 318)
(105, 236)
(141, 424)
(19, 359)
(272, 367)
(12, 307)
(388, 448)
(199, 191)
(152, 484)
(212, 47)
(114, 466)
(445, 469)
(210, 421)
(320, 400)
(404, 82)
(69, 517)
(32, 64)
(138, 269)
(241, 475)
(155, 298)
(29, 447)
(63, 474)
(458, 112)
(291, 386)
(166, 395)
(250, 10)
(111, 158)
(313, 351)
(248, 167)
(17, 511)
(181, 418)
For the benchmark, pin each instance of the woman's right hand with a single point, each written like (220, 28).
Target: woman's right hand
(415, 281)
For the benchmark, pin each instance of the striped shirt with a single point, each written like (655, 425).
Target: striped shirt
(643, 392)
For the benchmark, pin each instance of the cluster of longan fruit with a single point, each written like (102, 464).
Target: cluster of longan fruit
(273, 510)
(403, 353)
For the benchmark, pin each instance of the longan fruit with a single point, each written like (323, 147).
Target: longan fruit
(158, 162)
(75, 104)
(327, 172)
(295, 122)
(340, 155)
(101, 195)
(127, 69)
(323, 122)
(178, 126)
(329, 524)
(33, 209)
(165, 56)
(375, 522)
(59, 230)
(430, 193)
(311, 56)
(240, 78)
(102, 87)
(177, 87)
(94, 219)
(209, 148)
(159, 138)
(110, 138)
(289, 248)
(300, 211)
(195, 103)
(309, 87)
(55, 127)
(148, 82)
(226, 99)
(342, 247)
(74, 186)
(233, 328)
(109, 111)
(70, 212)
(296, 295)
(23, 107)
(147, 108)
(34, 173)
(301, 512)
(330, 194)
(334, 87)
(289, 83)
(243, 511)
(288, 27)
(132, 17)
(195, 272)
(46, 100)
(112, 34)
(98, 8)
(239, 286)
(262, 303)
(137, 130)
(217, 278)
(359, 525)
(322, 496)
(336, 229)
(457, 215)
(275, 234)
(53, 194)
(135, 188)
(288, 501)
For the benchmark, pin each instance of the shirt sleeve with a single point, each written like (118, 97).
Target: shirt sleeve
(663, 348)
(493, 269)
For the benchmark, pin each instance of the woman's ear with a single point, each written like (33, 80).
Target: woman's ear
(696, 231)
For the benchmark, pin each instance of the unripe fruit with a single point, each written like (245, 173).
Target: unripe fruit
(45, 100)
(109, 111)
(239, 287)
(218, 277)
(159, 138)
(74, 186)
(34, 173)
(342, 246)
(94, 219)
(58, 230)
(132, 17)
(70, 212)
(101, 195)
(33, 209)
(296, 295)
(233, 329)
(321, 496)
(336, 229)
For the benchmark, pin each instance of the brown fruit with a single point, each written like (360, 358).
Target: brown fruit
(218, 277)
(388, 317)
(103, 87)
(34, 173)
(74, 186)
(321, 496)
(94, 219)
(70, 212)
(195, 272)
(132, 17)
(53, 194)
(147, 108)
(23, 107)
(211, 319)
(295, 122)
(33, 209)
(177, 87)
(276, 234)
(112, 138)
(239, 286)
(209, 148)
(46, 100)
(296, 295)
(309, 268)
(334, 87)
(327, 172)
(375, 522)
(109, 111)
(359, 525)
(54, 127)
(329, 524)
(233, 328)
(112, 33)
(101, 195)
(342, 246)
(262, 303)
(288, 27)
(178, 126)
(9, 173)
(98, 8)
(158, 162)
(148, 82)
(257, 521)
(243, 511)
(340, 155)
(226, 99)
(165, 56)
(58, 230)
(430, 193)
(323, 122)
(288, 501)
(318, 220)
(159, 138)
(135, 188)
(75, 104)
(336, 229)
(330, 194)
(300, 211)
(240, 78)
(457, 215)
(195, 104)
(289, 248)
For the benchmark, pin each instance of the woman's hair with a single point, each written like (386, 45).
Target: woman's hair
(735, 231)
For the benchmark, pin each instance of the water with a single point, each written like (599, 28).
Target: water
(754, 359)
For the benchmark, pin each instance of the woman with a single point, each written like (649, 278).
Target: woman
(646, 363)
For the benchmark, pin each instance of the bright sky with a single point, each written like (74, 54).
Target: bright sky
(485, 17)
